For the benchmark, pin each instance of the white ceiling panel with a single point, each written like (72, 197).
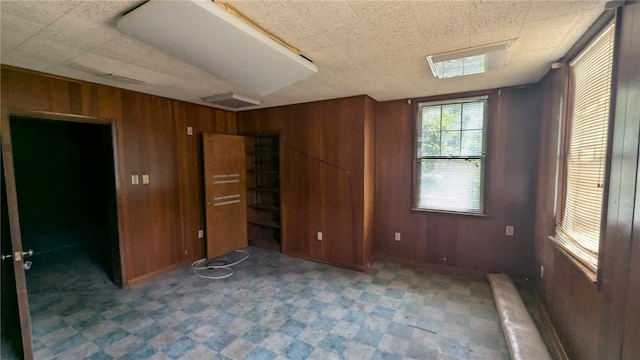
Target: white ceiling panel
(19, 25)
(125, 49)
(442, 21)
(493, 15)
(559, 9)
(77, 33)
(360, 47)
(42, 12)
(95, 63)
(45, 51)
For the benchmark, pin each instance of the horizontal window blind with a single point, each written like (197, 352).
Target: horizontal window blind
(579, 229)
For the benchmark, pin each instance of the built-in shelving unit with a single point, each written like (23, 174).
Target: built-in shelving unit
(263, 190)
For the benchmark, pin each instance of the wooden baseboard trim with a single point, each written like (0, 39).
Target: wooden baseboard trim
(306, 257)
(141, 279)
(434, 267)
(558, 349)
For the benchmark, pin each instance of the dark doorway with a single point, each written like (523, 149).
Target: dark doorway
(65, 185)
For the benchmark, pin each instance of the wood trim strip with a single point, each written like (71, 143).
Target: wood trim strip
(141, 279)
(558, 351)
(474, 274)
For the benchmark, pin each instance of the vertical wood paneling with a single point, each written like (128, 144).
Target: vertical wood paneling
(159, 221)
(468, 242)
(323, 146)
(597, 321)
(392, 154)
(202, 120)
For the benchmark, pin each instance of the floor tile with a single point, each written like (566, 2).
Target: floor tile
(273, 307)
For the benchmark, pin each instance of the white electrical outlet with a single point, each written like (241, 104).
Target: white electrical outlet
(134, 180)
(145, 179)
(319, 237)
(509, 230)
(200, 234)
(397, 236)
(541, 272)
(189, 130)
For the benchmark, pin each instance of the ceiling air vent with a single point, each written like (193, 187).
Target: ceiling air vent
(231, 101)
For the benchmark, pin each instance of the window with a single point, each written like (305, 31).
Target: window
(585, 150)
(450, 155)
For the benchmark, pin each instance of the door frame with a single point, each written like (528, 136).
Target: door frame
(119, 277)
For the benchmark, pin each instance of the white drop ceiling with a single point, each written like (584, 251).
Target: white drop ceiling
(360, 47)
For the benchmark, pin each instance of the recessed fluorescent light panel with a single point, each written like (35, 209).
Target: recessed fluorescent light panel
(469, 61)
(203, 34)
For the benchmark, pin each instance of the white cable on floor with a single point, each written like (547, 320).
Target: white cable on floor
(198, 267)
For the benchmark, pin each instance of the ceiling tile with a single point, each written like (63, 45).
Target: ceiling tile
(77, 33)
(548, 9)
(103, 12)
(96, 64)
(146, 75)
(567, 42)
(10, 40)
(125, 49)
(326, 16)
(27, 62)
(443, 21)
(37, 11)
(493, 15)
(588, 17)
(44, 51)
(398, 34)
(494, 36)
(19, 25)
(277, 18)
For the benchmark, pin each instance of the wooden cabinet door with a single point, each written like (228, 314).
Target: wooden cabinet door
(225, 192)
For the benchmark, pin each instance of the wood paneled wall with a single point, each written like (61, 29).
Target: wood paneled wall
(159, 221)
(326, 176)
(597, 321)
(466, 242)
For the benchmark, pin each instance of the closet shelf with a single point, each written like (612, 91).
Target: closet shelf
(265, 223)
(264, 189)
(263, 153)
(264, 171)
(265, 207)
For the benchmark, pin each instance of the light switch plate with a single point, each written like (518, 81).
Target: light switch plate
(134, 180)
(320, 235)
(145, 179)
(189, 130)
(200, 234)
(397, 236)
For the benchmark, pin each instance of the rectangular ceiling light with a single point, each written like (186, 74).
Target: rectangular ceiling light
(469, 61)
(205, 35)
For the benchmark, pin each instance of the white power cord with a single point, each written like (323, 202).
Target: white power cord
(203, 265)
